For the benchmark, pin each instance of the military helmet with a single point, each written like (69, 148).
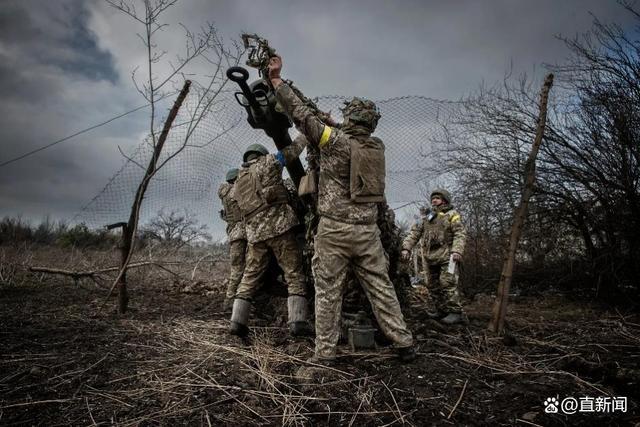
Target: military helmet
(361, 111)
(231, 174)
(446, 196)
(259, 149)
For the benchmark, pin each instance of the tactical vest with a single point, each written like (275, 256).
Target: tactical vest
(438, 232)
(367, 173)
(232, 212)
(252, 197)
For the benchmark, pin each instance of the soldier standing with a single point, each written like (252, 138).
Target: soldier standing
(235, 232)
(442, 239)
(351, 184)
(269, 219)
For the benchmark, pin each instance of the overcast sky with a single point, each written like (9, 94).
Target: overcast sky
(66, 65)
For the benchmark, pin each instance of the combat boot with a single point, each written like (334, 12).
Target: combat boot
(407, 354)
(454, 318)
(324, 361)
(317, 370)
(435, 314)
(240, 317)
(298, 314)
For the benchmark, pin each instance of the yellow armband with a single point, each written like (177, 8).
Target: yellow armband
(326, 134)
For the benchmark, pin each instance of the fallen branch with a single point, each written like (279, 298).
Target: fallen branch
(92, 273)
(195, 268)
(40, 402)
(464, 387)
(400, 416)
(505, 371)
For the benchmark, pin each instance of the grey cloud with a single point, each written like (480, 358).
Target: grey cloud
(25, 85)
(50, 67)
(54, 33)
(50, 61)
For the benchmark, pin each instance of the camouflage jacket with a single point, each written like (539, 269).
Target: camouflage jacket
(235, 230)
(334, 199)
(440, 237)
(276, 219)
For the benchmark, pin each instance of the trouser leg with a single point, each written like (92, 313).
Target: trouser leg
(289, 257)
(371, 269)
(329, 263)
(435, 290)
(256, 264)
(450, 294)
(237, 252)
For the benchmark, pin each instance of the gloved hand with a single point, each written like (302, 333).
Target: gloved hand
(405, 255)
(456, 256)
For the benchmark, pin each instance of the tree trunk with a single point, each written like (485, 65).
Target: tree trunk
(500, 307)
(123, 296)
(130, 229)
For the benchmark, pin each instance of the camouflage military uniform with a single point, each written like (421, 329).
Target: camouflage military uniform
(271, 229)
(347, 236)
(438, 239)
(237, 240)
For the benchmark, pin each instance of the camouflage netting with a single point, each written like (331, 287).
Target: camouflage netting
(191, 179)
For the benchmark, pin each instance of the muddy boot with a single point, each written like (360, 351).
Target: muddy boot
(240, 317)
(407, 354)
(315, 360)
(435, 314)
(298, 314)
(453, 318)
(317, 370)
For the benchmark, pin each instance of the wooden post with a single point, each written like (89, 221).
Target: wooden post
(129, 230)
(500, 306)
(123, 296)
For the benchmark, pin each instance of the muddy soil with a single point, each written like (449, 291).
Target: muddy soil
(66, 358)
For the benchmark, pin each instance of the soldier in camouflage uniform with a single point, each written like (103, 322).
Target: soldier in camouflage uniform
(442, 238)
(347, 235)
(236, 233)
(269, 219)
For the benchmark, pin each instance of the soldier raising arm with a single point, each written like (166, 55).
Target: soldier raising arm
(350, 186)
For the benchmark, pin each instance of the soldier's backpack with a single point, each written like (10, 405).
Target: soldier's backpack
(232, 212)
(367, 174)
(252, 197)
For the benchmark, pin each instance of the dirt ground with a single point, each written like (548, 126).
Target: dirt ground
(67, 359)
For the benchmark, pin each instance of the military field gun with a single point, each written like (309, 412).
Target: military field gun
(259, 55)
(258, 99)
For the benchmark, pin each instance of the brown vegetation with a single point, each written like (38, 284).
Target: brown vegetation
(67, 360)
(582, 230)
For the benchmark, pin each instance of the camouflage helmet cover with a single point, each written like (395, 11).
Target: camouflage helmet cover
(255, 148)
(361, 111)
(231, 174)
(446, 196)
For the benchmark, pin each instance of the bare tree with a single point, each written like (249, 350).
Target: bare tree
(586, 200)
(206, 50)
(500, 307)
(176, 229)
(597, 150)
(485, 151)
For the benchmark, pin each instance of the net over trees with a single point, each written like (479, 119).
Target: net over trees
(190, 180)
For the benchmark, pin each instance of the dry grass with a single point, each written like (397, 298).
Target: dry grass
(171, 362)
